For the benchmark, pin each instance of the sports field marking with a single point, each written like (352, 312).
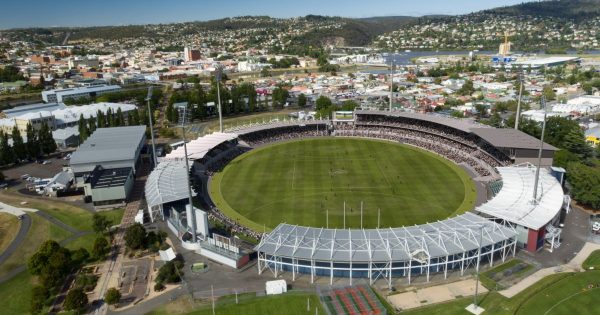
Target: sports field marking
(294, 174)
(566, 299)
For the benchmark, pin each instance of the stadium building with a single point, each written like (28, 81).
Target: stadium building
(501, 159)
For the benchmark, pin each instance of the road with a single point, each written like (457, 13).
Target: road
(21, 235)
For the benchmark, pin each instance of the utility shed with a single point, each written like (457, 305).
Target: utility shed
(276, 287)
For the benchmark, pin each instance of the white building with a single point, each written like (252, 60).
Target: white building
(61, 95)
(583, 105)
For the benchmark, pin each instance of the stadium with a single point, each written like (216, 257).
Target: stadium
(255, 180)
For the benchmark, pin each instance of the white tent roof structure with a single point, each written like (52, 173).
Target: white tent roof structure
(439, 239)
(167, 183)
(514, 201)
(198, 148)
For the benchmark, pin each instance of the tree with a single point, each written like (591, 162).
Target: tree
(135, 236)
(101, 247)
(466, 89)
(120, 118)
(46, 140)
(6, 151)
(549, 93)
(19, 148)
(481, 109)
(133, 118)
(557, 129)
(575, 142)
(323, 102)
(169, 273)
(76, 300)
(82, 126)
(112, 296)
(101, 119)
(100, 223)
(302, 100)
(33, 144)
(349, 105)
(585, 182)
(80, 256)
(264, 72)
(39, 296)
(280, 96)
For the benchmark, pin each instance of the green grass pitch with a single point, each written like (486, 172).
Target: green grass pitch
(298, 182)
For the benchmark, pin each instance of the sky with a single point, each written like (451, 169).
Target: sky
(44, 13)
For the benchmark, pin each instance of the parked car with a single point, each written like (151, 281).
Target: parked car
(46, 162)
(3, 185)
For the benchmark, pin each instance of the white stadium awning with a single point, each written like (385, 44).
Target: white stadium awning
(167, 183)
(514, 201)
(198, 148)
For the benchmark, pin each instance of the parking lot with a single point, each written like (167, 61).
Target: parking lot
(13, 174)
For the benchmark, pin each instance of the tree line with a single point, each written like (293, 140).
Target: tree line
(39, 142)
(117, 119)
(579, 158)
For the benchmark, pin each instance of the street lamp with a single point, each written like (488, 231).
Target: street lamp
(148, 98)
(191, 214)
(474, 308)
(218, 75)
(537, 170)
(518, 115)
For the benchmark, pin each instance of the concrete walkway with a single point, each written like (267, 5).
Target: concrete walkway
(573, 266)
(14, 210)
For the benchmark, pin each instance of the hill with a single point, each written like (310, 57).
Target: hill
(568, 9)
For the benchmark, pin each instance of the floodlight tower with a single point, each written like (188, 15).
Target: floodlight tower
(539, 165)
(518, 115)
(190, 213)
(391, 81)
(218, 76)
(148, 98)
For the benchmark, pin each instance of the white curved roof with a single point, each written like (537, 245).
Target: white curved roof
(167, 183)
(198, 148)
(439, 239)
(514, 201)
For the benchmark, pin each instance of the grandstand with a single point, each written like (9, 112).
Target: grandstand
(441, 246)
(507, 221)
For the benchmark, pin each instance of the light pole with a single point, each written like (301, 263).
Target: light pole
(218, 75)
(518, 115)
(148, 98)
(191, 214)
(477, 268)
(537, 170)
(391, 81)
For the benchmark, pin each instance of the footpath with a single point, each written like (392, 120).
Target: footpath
(573, 266)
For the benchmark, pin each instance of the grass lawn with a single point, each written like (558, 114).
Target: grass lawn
(16, 294)
(593, 260)
(40, 231)
(114, 215)
(289, 304)
(86, 241)
(9, 227)
(565, 293)
(298, 182)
